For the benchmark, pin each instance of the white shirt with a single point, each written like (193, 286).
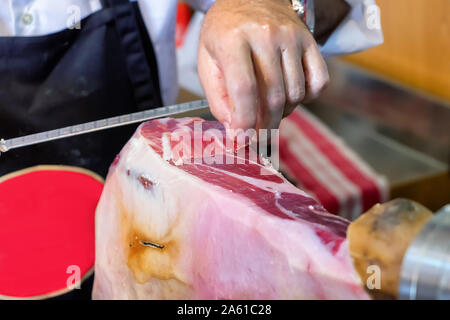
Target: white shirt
(359, 31)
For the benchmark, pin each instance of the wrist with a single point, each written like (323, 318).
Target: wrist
(306, 12)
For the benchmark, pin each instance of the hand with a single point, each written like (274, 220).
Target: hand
(257, 61)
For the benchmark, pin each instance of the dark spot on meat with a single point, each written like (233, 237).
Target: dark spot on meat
(148, 185)
(128, 172)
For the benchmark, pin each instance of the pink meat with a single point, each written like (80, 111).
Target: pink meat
(222, 231)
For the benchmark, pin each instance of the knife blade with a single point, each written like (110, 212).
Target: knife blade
(104, 124)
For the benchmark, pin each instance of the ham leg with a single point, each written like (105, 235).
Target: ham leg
(171, 227)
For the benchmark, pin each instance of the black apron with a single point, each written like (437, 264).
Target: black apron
(104, 69)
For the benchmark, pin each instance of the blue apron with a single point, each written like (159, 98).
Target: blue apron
(104, 69)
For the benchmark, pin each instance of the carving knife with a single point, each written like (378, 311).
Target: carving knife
(99, 125)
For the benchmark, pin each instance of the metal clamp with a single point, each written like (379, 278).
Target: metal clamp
(425, 270)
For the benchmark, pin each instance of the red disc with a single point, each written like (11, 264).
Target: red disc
(47, 220)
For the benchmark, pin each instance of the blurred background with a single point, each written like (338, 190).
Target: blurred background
(389, 105)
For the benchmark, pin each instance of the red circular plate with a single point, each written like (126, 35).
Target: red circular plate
(47, 220)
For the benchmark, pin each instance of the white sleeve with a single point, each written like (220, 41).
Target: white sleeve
(360, 30)
(200, 5)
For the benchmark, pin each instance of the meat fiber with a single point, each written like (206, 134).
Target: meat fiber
(172, 226)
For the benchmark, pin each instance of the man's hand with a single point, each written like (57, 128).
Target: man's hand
(257, 61)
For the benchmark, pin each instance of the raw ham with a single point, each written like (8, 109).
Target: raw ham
(171, 225)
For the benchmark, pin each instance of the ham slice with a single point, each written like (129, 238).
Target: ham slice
(171, 225)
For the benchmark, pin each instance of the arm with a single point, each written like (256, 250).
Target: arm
(329, 14)
(359, 30)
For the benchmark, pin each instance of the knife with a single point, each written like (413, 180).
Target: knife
(93, 126)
